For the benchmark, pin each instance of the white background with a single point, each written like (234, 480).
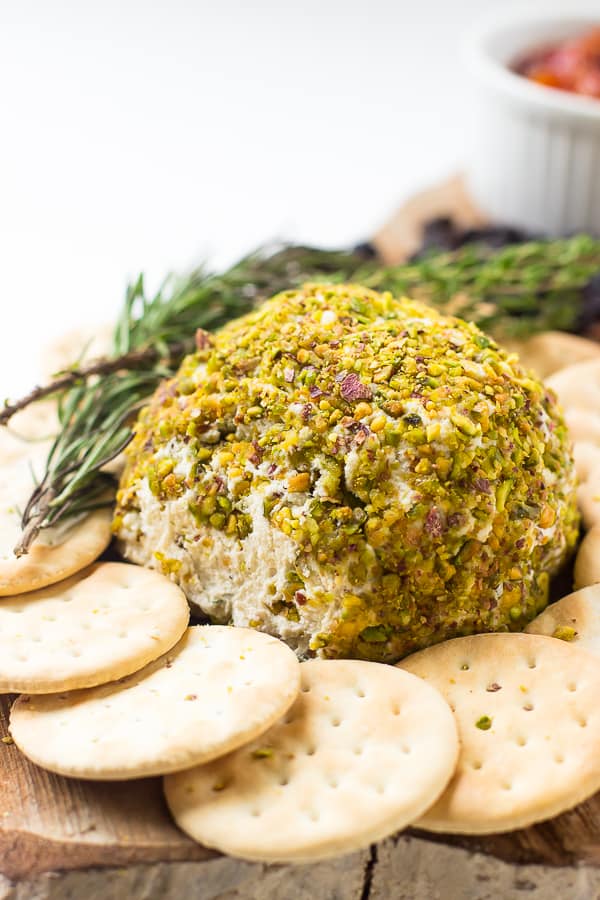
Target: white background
(148, 136)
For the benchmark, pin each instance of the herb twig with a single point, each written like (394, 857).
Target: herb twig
(515, 291)
(133, 360)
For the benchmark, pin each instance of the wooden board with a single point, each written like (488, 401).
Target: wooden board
(50, 824)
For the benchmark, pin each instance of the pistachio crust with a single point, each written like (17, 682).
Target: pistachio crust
(408, 480)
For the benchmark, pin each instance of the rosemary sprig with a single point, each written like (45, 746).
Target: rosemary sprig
(98, 401)
(515, 291)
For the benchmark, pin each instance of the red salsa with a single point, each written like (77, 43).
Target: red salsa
(573, 65)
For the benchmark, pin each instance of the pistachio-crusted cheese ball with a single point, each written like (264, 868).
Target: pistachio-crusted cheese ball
(355, 474)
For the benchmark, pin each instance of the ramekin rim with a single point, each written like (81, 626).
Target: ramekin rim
(481, 62)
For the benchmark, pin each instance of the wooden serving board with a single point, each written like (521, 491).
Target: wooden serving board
(63, 838)
(102, 836)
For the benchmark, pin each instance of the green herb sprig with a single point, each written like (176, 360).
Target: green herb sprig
(513, 292)
(98, 402)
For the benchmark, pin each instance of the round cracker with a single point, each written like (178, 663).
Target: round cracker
(553, 351)
(94, 627)
(76, 347)
(578, 385)
(587, 561)
(588, 500)
(583, 424)
(529, 725)
(575, 618)
(216, 689)
(58, 551)
(360, 755)
(587, 459)
(30, 430)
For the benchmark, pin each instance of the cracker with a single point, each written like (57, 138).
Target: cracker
(578, 385)
(101, 624)
(216, 689)
(29, 431)
(583, 424)
(361, 754)
(529, 725)
(575, 618)
(58, 551)
(587, 459)
(588, 500)
(553, 351)
(80, 345)
(587, 561)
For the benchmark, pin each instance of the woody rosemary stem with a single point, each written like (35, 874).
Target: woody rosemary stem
(33, 527)
(133, 360)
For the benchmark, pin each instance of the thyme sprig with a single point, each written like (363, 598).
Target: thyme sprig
(515, 291)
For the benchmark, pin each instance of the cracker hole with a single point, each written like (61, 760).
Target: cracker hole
(305, 689)
(255, 813)
(528, 707)
(477, 764)
(521, 741)
(571, 686)
(313, 815)
(465, 667)
(310, 751)
(395, 710)
(582, 722)
(122, 634)
(76, 653)
(333, 783)
(248, 683)
(288, 720)
(358, 751)
(559, 758)
(379, 788)
(406, 749)
(531, 664)
(284, 782)
(336, 722)
(360, 693)
(506, 786)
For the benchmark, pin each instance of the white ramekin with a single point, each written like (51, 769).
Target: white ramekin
(535, 160)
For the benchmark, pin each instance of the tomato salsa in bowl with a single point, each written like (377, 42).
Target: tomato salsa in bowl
(535, 146)
(571, 65)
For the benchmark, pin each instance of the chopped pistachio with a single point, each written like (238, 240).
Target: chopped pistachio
(484, 723)
(564, 633)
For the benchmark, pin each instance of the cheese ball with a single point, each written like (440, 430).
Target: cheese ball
(355, 474)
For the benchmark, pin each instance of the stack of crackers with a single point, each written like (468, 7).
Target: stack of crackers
(276, 760)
